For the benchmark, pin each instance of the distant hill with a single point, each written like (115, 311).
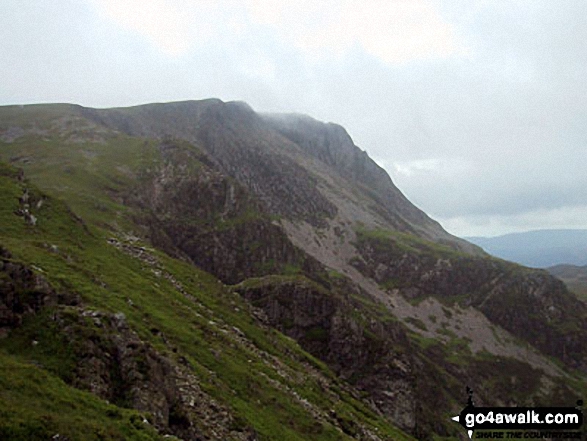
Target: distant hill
(539, 248)
(575, 277)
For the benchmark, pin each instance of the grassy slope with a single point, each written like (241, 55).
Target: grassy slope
(87, 175)
(575, 277)
(35, 405)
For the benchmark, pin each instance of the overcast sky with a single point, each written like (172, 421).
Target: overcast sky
(477, 109)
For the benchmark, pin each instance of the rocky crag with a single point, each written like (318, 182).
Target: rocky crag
(226, 274)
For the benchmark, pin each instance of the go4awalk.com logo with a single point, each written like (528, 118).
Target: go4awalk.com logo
(521, 422)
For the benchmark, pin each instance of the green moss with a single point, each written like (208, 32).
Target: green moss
(417, 323)
(335, 275)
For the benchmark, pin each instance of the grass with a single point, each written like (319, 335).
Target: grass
(398, 242)
(36, 405)
(75, 257)
(89, 176)
(417, 323)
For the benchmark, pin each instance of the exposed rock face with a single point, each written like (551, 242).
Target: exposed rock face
(24, 292)
(240, 144)
(332, 145)
(193, 210)
(263, 154)
(111, 361)
(115, 364)
(364, 352)
(530, 304)
(406, 383)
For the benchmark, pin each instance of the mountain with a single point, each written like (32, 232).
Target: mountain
(575, 277)
(200, 270)
(539, 248)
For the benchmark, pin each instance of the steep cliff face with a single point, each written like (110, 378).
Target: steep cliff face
(268, 156)
(332, 145)
(528, 303)
(300, 222)
(192, 210)
(329, 324)
(241, 145)
(407, 377)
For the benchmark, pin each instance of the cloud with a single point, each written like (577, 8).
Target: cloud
(569, 217)
(502, 183)
(447, 167)
(477, 109)
(391, 31)
(395, 31)
(172, 26)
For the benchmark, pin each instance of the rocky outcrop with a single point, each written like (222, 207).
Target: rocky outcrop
(241, 145)
(23, 292)
(266, 155)
(409, 384)
(368, 354)
(331, 144)
(112, 361)
(530, 304)
(115, 364)
(193, 210)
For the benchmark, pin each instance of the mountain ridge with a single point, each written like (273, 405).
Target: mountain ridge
(538, 248)
(209, 202)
